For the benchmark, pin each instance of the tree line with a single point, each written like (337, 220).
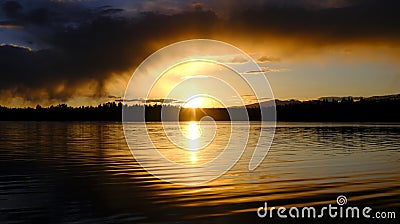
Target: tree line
(346, 110)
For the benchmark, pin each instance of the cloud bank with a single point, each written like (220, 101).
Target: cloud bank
(78, 46)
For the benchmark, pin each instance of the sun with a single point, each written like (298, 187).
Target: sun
(201, 102)
(197, 102)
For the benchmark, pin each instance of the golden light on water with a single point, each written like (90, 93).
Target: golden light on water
(192, 132)
(193, 157)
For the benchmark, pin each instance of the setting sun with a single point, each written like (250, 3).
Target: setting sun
(197, 102)
(201, 102)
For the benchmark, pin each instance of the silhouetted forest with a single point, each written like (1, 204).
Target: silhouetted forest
(344, 110)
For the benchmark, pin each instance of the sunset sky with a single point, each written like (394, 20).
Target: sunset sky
(84, 52)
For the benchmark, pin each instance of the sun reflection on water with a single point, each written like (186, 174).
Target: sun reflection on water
(192, 130)
(193, 156)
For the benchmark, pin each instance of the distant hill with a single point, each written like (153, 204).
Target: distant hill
(395, 97)
(372, 98)
(384, 98)
(269, 103)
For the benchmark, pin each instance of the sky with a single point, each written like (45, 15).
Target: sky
(85, 52)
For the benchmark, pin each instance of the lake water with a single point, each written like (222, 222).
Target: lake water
(71, 172)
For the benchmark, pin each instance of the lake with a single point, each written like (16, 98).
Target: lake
(84, 172)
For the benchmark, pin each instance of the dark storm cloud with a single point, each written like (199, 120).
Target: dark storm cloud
(359, 20)
(7, 25)
(11, 8)
(111, 11)
(89, 52)
(87, 44)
